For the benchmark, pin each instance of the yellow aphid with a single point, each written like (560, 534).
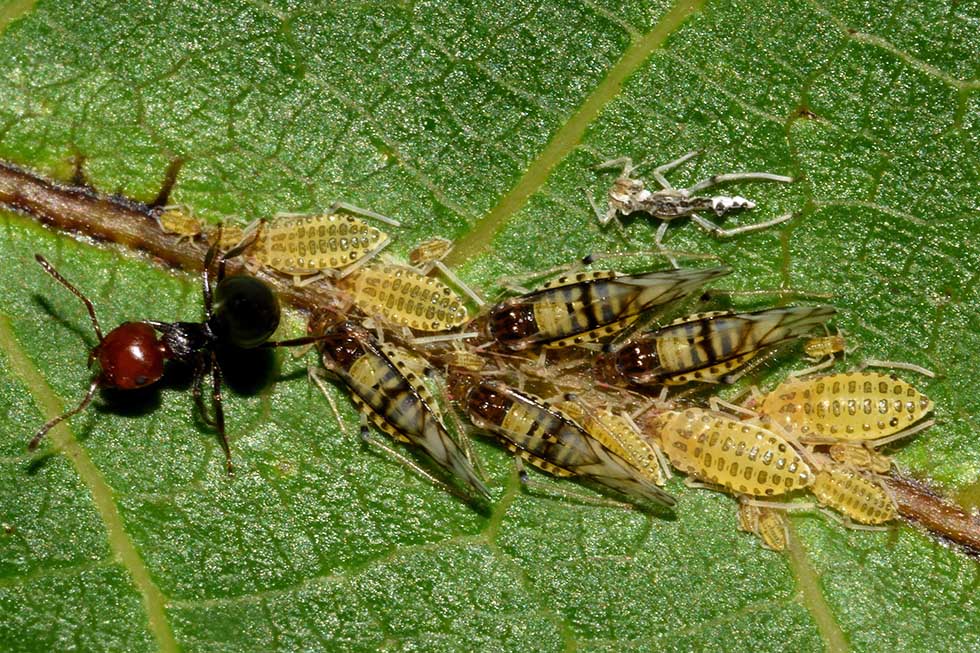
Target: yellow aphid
(179, 222)
(405, 297)
(736, 455)
(825, 346)
(768, 524)
(618, 435)
(434, 249)
(854, 496)
(861, 457)
(304, 245)
(847, 406)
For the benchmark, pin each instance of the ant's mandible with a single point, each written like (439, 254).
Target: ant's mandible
(239, 310)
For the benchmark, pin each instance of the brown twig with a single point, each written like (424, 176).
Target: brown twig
(919, 503)
(81, 210)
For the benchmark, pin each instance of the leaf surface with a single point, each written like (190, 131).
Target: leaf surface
(479, 122)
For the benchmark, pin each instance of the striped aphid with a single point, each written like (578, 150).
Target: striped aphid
(384, 387)
(551, 440)
(586, 306)
(708, 347)
(739, 456)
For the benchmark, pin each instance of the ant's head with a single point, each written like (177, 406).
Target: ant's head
(130, 357)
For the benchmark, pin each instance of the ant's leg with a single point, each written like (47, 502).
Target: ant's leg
(658, 172)
(219, 411)
(367, 213)
(197, 390)
(43, 262)
(711, 227)
(86, 400)
(247, 241)
(714, 180)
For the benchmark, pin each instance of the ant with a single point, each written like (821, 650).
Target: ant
(240, 311)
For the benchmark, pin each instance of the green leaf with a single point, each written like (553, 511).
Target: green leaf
(481, 123)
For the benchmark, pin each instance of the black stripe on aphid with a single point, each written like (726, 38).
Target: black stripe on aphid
(598, 309)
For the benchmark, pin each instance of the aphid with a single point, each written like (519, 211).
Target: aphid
(849, 406)
(768, 524)
(822, 347)
(630, 195)
(860, 457)
(618, 434)
(307, 245)
(384, 387)
(709, 346)
(588, 305)
(854, 496)
(551, 440)
(430, 251)
(736, 455)
(179, 221)
(403, 296)
(241, 311)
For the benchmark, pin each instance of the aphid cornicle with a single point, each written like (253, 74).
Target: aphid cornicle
(405, 297)
(240, 311)
(395, 400)
(709, 346)
(854, 496)
(589, 305)
(552, 441)
(736, 455)
(846, 406)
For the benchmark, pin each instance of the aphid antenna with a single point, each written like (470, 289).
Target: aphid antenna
(784, 506)
(50, 424)
(444, 337)
(851, 524)
(813, 369)
(717, 404)
(459, 283)
(43, 262)
(912, 430)
(366, 213)
(897, 365)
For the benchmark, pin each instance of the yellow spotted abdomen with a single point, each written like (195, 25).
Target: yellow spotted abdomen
(853, 496)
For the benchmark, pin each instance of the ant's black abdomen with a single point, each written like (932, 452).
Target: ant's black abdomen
(246, 311)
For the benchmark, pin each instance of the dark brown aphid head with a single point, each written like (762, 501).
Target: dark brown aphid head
(486, 404)
(512, 324)
(343, 344)
(637, 361)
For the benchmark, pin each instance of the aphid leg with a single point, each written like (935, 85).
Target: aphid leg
(717, 403)
(624, 162)
(784, 506)
(714, 180)
(658, 240)
(369, 439)
(43, 262)
(754, 364)
(86, 400)
(912, 430)
(721, 232)
(828, 362)
(537, 487)
(367, 213)
(219, 411)
(853, 525)
(301, 281)
(459, 283)
(898, 365)
(446, 337)
(318, 376)
(659, 171)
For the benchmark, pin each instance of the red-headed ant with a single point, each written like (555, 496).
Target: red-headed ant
(240, 311)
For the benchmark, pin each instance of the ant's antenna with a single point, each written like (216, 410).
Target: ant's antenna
(64, 282)
(36, 440)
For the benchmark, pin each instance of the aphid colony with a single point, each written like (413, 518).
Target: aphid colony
(585, 376)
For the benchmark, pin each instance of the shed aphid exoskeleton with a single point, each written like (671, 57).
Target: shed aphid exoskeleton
(403, 296)
(179, 221)
(551, 440)
(586, 306)
(849, 406)
(707, 347)
(395, 400)
(768, 524)
(860, 457)
(739, 456)
(630, 195)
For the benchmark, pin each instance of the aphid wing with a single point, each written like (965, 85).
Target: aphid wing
(654, 289)
(779, 325)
